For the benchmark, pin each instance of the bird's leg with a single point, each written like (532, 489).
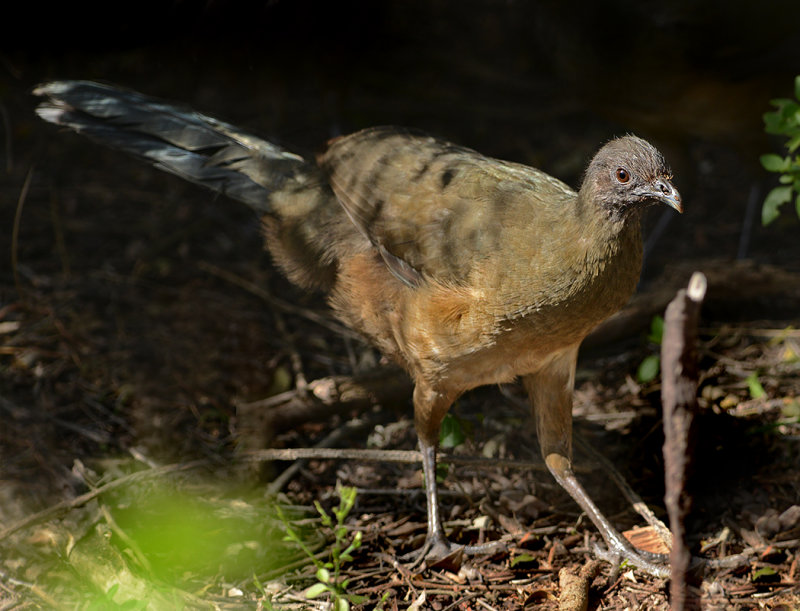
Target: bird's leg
(619, 548)
(436, 544)
(430, 408)
(550, 392)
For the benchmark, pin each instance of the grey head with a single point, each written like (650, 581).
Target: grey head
(628, 174)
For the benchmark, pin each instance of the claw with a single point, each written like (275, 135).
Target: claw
(443, 554)
(614, 556)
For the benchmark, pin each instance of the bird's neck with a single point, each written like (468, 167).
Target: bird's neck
(593, 265)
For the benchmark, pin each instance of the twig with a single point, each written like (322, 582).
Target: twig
(679, 398)
(132, 545)
(23, 194)
(332, 438)
(750, 213)
(485, 605)
(403, 571)
(398, 456)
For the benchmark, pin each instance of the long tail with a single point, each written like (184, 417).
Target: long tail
(194, 146)
(297, 201)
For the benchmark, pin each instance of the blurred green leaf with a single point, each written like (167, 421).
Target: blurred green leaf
(754, 385)
(774, 200)
(788, 110)
(656, 334)
(774, 163)
(648, 369)
(520, 559)
(316, 590)
(281, 381)
(791, 410)
(347, 500)
(326, 519)
(324, 575)
(773, 123)
(783, 121)
(763, 572)
(451, 434)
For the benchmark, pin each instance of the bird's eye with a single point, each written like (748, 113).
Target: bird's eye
(623, 175)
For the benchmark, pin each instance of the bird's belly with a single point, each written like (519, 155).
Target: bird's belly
(502, 359)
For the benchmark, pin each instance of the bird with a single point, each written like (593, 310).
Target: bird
(464, 269)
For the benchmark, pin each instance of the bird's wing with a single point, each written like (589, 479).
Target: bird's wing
(432, 209)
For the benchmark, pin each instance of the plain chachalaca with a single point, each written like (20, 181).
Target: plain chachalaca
(464, 269)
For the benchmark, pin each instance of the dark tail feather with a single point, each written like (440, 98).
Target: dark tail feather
(300, 206)
(194, 146)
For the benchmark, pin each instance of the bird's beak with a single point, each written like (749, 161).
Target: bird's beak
(664, 192)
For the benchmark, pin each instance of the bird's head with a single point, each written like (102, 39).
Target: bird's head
(627, 174)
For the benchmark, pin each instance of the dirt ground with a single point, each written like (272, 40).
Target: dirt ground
(141, 321)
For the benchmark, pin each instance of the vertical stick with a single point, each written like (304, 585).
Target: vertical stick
(679, 399)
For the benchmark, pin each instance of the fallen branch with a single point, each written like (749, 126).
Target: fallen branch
(335, 437)
(260, 421)
(575, 588)
(679, 398)
(397, 456)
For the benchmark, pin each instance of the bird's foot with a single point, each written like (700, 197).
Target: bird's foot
(649, 562)
(440, 553)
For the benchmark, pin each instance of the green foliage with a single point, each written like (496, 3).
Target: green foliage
(784, 121)
(521, 559)
(150, 542)
(451, 434)
(791, 411)
(766, 573)
(754, 385)
(648, 369)
(656, 334)
(650, 366)
(177, 533)
(328, 573)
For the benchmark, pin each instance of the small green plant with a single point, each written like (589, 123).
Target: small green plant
(650, 366)
(784, 121)
(329, 573)
(453, 432)
(754, 386)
